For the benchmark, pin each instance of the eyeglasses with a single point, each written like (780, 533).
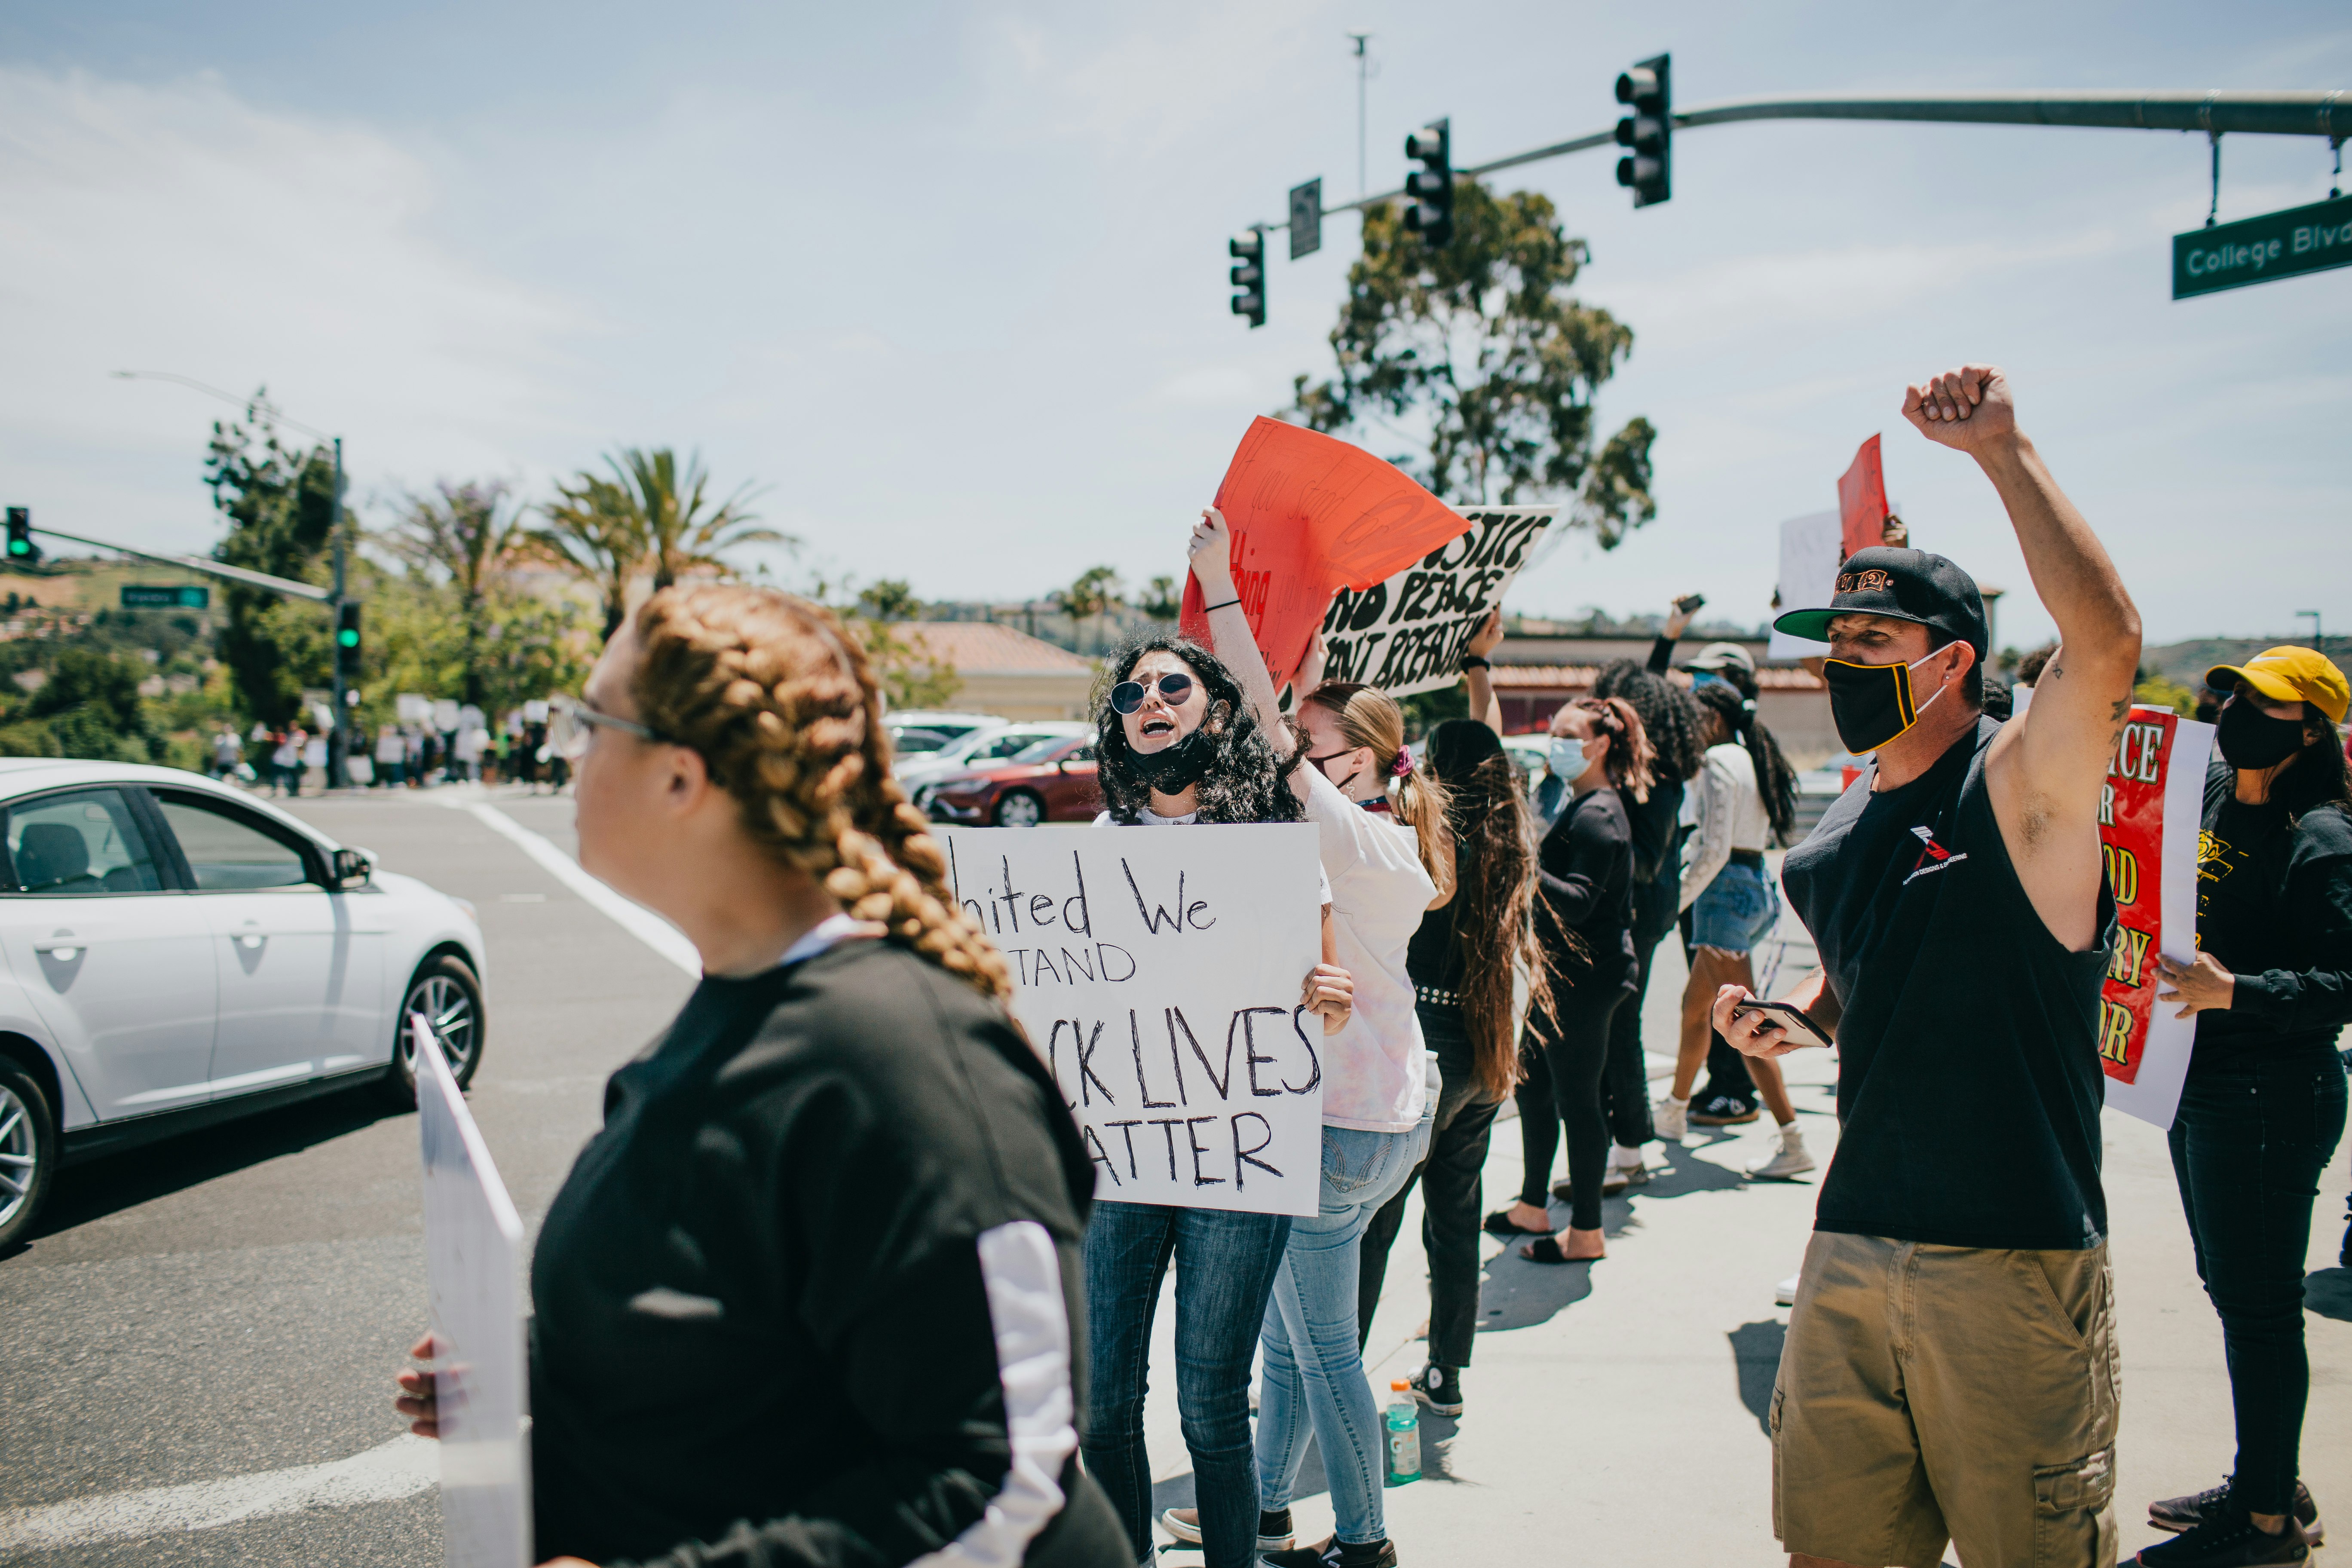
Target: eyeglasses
(1129, 695)
(570, 722)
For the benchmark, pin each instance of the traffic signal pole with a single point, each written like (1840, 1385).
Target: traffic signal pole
(337, 747)
(225, 572)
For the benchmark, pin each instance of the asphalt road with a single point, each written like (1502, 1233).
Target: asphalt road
(233, 1303)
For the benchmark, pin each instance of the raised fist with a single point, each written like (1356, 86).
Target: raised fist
(1966, 410)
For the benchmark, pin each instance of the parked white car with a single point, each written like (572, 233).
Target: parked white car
(174, 953)
(914, 731)
(979, 748)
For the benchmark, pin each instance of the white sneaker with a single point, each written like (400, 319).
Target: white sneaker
(1788, 1159)
(1784, 1294)
(1671, 1116)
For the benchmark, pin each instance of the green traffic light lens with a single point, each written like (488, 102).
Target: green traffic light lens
(348, 638)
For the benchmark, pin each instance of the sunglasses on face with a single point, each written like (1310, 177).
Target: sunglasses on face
(1129, 695)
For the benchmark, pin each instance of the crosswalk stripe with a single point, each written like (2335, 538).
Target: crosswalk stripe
(401, 1467)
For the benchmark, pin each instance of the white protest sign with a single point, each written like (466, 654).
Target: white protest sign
(473, 1249)
(1812, 548)
(1159, 975)
(1407, 634)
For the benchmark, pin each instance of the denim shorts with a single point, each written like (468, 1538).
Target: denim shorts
(1736, 910)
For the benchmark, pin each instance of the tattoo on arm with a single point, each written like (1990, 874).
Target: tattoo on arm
(2121, 708)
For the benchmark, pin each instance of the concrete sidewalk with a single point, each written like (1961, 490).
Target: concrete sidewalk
(1616, 1411)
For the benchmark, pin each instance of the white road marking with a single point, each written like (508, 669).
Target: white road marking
(634, 918)
(401, 1467)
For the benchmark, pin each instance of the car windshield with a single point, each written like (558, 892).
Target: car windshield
(1012, 743)
(912, 739)
(1041, 751)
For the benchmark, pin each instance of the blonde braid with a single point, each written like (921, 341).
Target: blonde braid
(784, 710)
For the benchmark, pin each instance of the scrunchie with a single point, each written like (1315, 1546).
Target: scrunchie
(1403, 765)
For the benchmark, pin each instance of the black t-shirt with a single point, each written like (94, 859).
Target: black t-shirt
(1586, 866)
(1433, 956)
(2274, 908)
(1968, 1081)
(764, 1293)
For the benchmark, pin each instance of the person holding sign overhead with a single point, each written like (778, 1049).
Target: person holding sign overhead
(810, 1295)
(2263, 1103)
(1177, 743)
(1384, 843)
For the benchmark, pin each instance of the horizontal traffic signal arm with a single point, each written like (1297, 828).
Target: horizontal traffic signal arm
(2312, 113)
(285, 585)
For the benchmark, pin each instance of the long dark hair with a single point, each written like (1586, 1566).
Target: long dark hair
(1245, 781)
(1628, 765)
(2320, 776)
(1494, 896)
(1667, 716)
(1775, 779)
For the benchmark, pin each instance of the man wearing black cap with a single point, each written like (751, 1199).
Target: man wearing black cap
(1950, 1368)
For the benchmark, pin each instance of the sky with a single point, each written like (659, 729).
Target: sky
(946, 282)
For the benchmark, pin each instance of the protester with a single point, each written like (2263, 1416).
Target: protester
(1748, 803)
(1382, 831)
(390, 755)
(807, 1296)
(1177, 743)
(228, 753)
(286, 761)
(1466, 959)
(2263, 1104)
(1949, 1373)
(1584, 919)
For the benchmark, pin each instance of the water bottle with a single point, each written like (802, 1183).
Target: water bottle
(1404, 1434)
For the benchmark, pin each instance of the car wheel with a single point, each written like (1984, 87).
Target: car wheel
(443, 989)
(1020, 808)
(28, 1150)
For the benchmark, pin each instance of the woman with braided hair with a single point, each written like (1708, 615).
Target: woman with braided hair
(810, 1295)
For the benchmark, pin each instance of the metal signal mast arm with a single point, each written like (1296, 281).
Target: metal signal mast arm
(285, 585)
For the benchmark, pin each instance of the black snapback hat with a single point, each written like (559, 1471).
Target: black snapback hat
(1903, 585)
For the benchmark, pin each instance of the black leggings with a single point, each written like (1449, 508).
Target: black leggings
(1564, 1058)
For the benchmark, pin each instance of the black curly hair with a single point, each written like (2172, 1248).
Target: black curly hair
(1775, 779)
(1245, 781)
(1667, 716)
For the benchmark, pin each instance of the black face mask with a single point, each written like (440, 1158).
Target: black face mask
(2250, 738)
(1174, 768)
(1871, 703)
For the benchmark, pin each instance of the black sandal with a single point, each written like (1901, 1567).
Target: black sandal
(1545, 1249)
(1499, 1224)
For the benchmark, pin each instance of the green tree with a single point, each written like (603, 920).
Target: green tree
(1165, 601)
(1092, 595)
(683, 528)
(1481, 355)
(595, 531)
(891, 599)
(280, 503)
(468, 537)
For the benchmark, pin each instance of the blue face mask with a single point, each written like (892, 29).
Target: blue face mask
(1566, 758)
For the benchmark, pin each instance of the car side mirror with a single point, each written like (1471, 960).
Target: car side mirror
(352, 868)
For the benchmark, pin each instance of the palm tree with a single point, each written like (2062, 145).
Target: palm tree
(467, 534)
(680, 535)
(595, 531)
(1095, 592)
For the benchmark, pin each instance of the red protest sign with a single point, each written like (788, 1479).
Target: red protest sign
(1311, 514)
(1861, 499)
(2149, 820)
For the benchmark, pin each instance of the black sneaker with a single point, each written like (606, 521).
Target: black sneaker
(1439, 1387)
(1336, 1553)
(1273, 1533)
(1723, 1111)
(2178, 1513)
(2228, 1539)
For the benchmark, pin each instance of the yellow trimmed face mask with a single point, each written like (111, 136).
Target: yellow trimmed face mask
(1871, 703)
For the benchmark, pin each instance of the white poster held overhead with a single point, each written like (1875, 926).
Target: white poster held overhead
(473, 1251)
(1407, 634)
(1159, 972)
(1812, 548)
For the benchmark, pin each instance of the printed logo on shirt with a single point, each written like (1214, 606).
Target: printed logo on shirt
(1933, 857)
(2216, 859)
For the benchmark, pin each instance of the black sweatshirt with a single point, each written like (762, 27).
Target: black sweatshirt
(2275, 909)
(772, 1293)
(1586, 866)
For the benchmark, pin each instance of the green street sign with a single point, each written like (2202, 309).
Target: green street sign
(166, 596)
(2257, 250)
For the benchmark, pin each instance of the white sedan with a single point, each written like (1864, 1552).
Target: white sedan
(175, 953)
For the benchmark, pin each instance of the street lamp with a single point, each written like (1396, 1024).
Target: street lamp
(337, 743)
(2318, 643)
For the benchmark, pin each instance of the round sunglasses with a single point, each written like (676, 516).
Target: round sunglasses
(1129, 695)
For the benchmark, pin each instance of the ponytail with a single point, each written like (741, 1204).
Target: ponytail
(1371, 720)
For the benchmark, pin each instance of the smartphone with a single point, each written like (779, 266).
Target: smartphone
(1690, 603)
(1793, 1019)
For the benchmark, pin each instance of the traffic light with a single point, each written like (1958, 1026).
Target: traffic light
(22, 550)
(1431, 186)
(1248, 250)
(1648, 133)
(347, 638)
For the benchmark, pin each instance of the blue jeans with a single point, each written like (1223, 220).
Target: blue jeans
(1735, 909)
(1314, 1365)
(1225, 1265)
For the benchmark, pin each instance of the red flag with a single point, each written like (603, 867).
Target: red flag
(1861, 499)
(1311, 515)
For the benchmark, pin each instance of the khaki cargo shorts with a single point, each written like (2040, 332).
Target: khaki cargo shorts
(1934, 1393)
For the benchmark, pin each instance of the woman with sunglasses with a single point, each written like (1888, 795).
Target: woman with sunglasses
(1176, 743)
(840, 1184)
(1384, 844)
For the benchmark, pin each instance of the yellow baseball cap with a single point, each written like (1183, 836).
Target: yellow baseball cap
(2288, 674)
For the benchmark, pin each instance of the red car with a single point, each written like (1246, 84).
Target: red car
(1053, 781)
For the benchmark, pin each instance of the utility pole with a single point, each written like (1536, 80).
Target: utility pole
(338, 746)
(1363, 68)
(2318, 643)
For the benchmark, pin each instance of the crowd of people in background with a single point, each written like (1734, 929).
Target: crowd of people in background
(410, 754)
